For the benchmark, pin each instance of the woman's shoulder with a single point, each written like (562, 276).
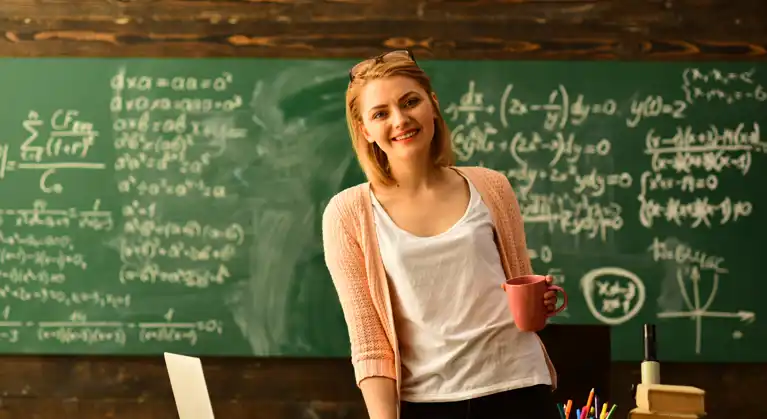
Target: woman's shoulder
(345, 204)
(492, 178)
(494, 186)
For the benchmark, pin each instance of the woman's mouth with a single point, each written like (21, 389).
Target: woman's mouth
(406, 136)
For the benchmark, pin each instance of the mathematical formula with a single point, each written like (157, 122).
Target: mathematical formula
(164, 145)
(78, 329)
(566, 177)
(165, 225)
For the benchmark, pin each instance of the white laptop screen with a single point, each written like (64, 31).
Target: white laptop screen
(189, 389)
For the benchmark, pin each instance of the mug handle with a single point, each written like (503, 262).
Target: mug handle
(564, 298)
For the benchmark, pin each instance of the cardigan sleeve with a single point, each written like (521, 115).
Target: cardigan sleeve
(372, 354)
(522, 258)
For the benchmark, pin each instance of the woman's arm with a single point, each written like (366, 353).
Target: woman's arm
(380, 394)
(372, 354)
(517, 229)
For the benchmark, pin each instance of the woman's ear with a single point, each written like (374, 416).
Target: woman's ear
(434, 98)
(364, 132)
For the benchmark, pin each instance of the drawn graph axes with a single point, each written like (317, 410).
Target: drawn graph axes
(696, 311)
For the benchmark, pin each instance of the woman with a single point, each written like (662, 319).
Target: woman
(417, 256)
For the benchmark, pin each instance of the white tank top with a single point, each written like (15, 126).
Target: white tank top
(457, 337)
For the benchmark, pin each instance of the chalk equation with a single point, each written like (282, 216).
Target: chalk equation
(676, 160)
(78, 329)
(562, 108)
(168, 191)
(60, 142)
(613, 295)
(163, 140)
(725, 86)
(554, 167)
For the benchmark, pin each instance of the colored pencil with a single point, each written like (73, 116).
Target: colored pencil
(596, 403)
(603, 415)
(612, 409)
(568, 408)
(586, 410)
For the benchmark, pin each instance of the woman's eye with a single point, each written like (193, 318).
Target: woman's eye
(411, 102)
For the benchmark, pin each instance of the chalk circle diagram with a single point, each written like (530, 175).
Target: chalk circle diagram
(590, 288)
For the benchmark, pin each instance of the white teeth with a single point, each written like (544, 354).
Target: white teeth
(406, 136)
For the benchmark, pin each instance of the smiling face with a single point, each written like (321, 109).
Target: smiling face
(398, 115)
(394, 118)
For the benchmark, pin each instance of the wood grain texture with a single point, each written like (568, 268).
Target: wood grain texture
(132, 409)
(137, 387)
(473, 29)
(124, 387)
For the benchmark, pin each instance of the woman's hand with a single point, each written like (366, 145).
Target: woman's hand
(550, 297)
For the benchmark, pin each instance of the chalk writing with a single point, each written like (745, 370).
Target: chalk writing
(552, 158)
(686, 152)
(39, 215)
(683, 254)
(61, 142)
(717, 85)
(560, 111)
(471, 102)
(613, 295)
(146, 208)
(690, 264)
(655, 106)
(165, 144)
(560, 163)
(694, 213)
(544, 254)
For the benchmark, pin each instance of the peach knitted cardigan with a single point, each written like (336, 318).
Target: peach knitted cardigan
(353, 259)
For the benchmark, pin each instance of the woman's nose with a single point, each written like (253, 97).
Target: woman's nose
(400, 119)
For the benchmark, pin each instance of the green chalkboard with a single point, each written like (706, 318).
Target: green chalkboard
(154, 205)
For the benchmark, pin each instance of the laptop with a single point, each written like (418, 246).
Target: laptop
(189, 389)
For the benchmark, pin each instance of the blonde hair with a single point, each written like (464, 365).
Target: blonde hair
(372, 159)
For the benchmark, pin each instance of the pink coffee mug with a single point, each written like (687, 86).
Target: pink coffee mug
(525, 298)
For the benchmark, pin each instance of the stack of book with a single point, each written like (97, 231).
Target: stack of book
(663, 401)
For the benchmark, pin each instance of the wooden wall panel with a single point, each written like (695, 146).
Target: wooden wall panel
(473, 29)
(129, 387)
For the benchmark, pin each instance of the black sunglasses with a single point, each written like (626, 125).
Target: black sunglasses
(401, 53)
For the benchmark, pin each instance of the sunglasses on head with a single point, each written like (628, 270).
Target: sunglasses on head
(401, 53)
